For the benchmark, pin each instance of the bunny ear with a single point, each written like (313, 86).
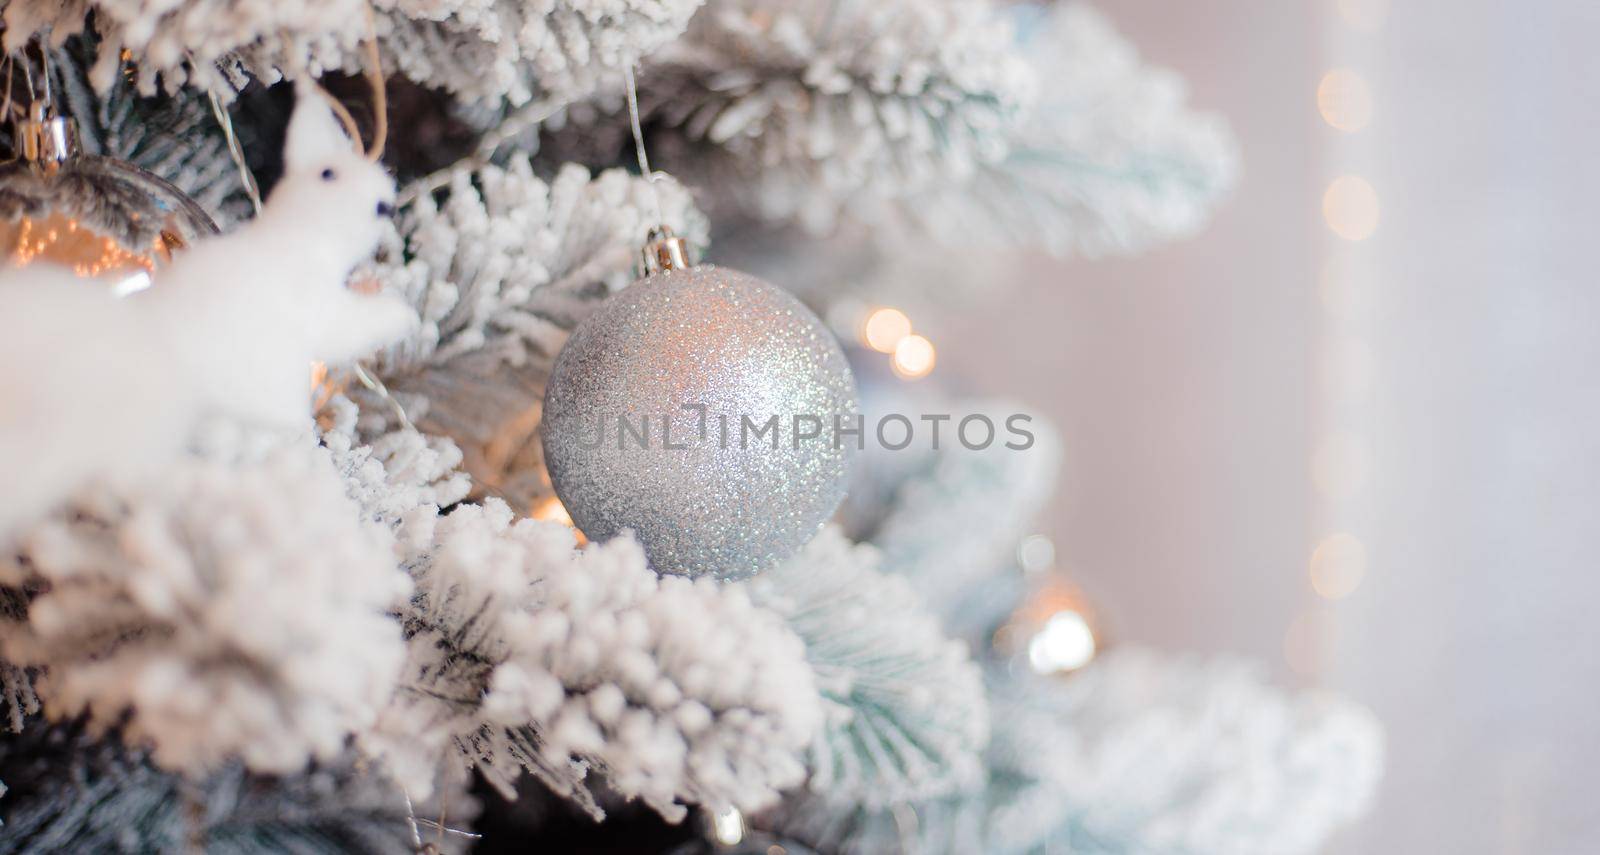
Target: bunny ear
(314, 134)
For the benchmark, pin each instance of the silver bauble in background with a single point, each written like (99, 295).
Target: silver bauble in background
(699, 502)
(99, 217)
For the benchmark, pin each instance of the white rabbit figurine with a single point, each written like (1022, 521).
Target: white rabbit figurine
(95, 387)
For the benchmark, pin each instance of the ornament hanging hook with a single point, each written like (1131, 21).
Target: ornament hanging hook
(36, 97)
(638, 139)
(27, 75)
(42, 138)
(663, 250)
(44, 69)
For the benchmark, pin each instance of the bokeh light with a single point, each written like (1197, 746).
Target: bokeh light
(1351, 207)
(1065, 643)
(551, 510)
(1344, 100)
(1055, 630)
(914, 357)
(727, 827)
(1036, 553)
(884, 329)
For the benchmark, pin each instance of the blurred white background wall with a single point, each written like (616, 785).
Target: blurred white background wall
(1422, 403)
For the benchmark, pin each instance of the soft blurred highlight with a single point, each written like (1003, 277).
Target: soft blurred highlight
(1354, 428)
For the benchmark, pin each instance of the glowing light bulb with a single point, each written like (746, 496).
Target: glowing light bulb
(727, 827)
(884, 329)
(914, 357)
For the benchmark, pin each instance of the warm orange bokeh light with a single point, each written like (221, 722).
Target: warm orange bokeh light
(1344, 100)
(885, 328)
(914, 357)
(1351, 207)
(1338, 565)
(551, 510)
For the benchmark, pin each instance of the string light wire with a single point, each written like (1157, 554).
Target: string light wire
(236, 151)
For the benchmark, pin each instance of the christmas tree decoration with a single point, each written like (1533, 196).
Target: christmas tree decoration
(231, 332)
(95, 216)
(567, 543)
(502, 264)
(180, 139)
(701, 410)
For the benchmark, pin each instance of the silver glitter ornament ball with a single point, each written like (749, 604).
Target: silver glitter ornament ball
(697, 409)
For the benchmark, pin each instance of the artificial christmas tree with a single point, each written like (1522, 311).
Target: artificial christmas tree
(237, 618)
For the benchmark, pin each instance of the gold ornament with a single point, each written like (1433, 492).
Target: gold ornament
(99, 217)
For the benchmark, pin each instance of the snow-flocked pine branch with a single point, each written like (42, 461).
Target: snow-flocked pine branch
(235, 608)
(71, 792)
(501, 265)
(907, 716)
(817, 109)
(1138, 753)
(954, 521)
(553, 50)
(1111, 159)
(176, 138)
(212, 44)
(479, 50)
(527, 654)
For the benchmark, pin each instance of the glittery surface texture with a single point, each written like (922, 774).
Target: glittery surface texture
(727, 503)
